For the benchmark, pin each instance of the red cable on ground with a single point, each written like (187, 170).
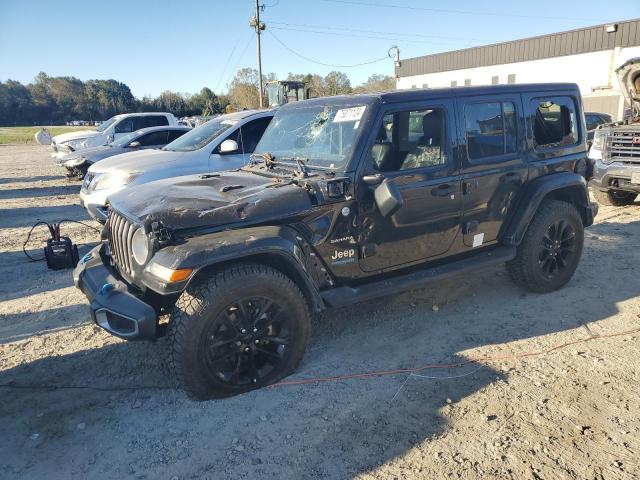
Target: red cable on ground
(488, 359)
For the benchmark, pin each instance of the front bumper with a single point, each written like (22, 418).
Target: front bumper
(615, 176)
(113, 306)
(96, 204)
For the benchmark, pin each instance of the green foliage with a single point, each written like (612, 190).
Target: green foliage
(27, 134)
(56, 100)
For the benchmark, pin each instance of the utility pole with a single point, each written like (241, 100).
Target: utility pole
(259, 26)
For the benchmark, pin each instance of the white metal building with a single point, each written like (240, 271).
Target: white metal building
(587, 56)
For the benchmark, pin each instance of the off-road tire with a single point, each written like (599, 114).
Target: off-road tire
(205, 300)
(614, 198)
(526, 268)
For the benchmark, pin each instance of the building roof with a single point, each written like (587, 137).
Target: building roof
(572, 42)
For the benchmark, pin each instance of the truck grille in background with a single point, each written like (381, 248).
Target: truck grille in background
(119, 233)
(619, 147)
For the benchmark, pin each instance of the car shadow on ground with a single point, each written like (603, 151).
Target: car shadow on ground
(44, 191)
(27, 216)
(332, 429)
(35, 178)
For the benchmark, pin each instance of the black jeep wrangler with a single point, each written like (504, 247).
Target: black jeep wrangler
(616, 146)
(348, 198)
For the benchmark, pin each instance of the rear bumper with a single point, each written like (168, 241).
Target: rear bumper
(113, 306)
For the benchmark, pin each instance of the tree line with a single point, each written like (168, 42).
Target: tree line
(57, 100)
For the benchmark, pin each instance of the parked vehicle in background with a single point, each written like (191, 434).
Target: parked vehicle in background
(280, 92)
(77, 163)
(113, 129)
(616, 146)
(593, 120)
(221, 144)
(346, 199)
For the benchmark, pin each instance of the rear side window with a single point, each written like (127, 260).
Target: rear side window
(554, 122)
(490, 129)
(173, 134)
(145, 121)
(154, 138)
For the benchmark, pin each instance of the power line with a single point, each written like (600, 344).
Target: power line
(224, 70)
(244, 50)
(322, 63)
(349, 29)
(374, 37)
(460, 12)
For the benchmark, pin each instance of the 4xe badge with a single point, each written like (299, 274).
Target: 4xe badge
(341, 257)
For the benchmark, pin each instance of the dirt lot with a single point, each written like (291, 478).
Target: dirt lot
(78, 403)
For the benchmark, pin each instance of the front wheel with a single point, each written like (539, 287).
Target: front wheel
(243, 327)
(550, 250)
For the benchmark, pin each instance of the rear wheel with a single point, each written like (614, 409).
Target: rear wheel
(615, 198)
(243, 328)
(550, 250)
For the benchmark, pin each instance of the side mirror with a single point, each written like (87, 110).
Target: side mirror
(388, 198)
(228, 146)
(135, 144)
(111, 138)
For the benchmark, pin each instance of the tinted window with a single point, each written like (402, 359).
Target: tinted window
(153, 138)
(554, 122)
(490, 129)
(251, 133)
(173, 134)
(410, 139)
(125, 126)
(146, 121)
(593, 121)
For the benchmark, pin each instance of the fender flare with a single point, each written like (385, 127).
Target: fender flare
(567, 186)
(278, 246)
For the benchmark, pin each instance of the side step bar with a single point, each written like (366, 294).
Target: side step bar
(341, 296)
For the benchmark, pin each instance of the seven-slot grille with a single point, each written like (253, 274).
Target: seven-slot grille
(120, 233)
(623, 146)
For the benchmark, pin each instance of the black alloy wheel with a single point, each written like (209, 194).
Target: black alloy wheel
(247, 342)
(558, 245)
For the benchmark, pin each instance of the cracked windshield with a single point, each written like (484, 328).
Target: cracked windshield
(321, 136)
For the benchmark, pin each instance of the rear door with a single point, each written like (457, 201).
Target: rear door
(492, 134)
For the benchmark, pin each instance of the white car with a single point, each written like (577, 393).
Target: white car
(114, 128)
(224, 143)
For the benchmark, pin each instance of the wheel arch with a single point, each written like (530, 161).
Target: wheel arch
(279, 247)
(565, 186)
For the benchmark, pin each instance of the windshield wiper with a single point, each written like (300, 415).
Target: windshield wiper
(267, 158)
(301, 163)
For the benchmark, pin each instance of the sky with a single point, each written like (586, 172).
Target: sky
(156, 45)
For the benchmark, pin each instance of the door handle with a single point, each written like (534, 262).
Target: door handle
(443, 190)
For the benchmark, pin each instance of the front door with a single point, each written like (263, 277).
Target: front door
(413, 151)
(494, 168)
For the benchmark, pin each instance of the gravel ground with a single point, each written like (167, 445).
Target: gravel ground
(78, 403)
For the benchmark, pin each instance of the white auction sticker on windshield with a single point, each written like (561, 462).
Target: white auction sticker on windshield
(349, 114)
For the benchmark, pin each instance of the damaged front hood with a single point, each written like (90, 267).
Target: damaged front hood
(201, 201)
(629, 78)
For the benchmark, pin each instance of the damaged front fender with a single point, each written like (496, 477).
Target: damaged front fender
(281, 247)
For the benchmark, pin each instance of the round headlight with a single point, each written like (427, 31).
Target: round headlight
(140, 247)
